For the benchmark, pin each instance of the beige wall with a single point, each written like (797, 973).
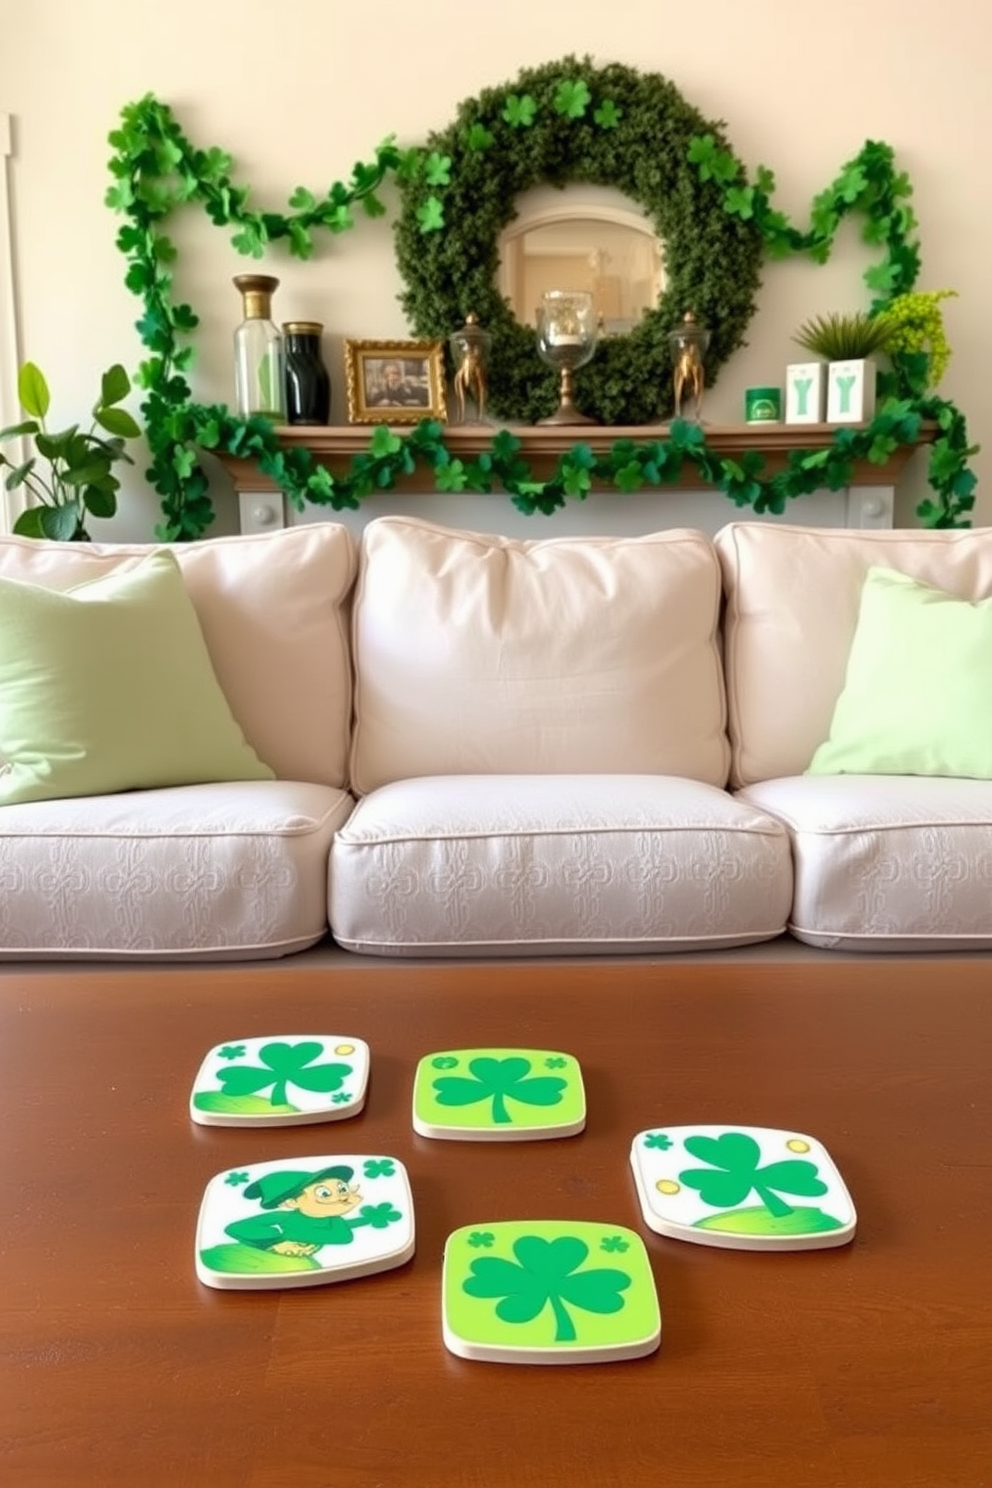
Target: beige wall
(298, 92)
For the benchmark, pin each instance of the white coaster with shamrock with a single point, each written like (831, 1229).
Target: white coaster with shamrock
(549, 1292)
(498, 1095)
(281, 1081)
(301, 1221)
(741, 1187)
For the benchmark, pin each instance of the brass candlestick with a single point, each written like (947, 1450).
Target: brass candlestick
(688, 345)
(470, 348)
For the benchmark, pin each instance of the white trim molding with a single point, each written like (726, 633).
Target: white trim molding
(11, 503)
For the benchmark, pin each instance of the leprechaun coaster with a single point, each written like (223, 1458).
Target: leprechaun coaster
(741, 1187)
(548, 1292)
(498, 1095)
(302, 1221)
(281, 1081)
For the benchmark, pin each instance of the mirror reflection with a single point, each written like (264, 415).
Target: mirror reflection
(582, 238)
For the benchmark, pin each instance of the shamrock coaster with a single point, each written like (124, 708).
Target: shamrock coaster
(742, 1187)
(548, 1292)
(498, 1095)
(282, 1081)
(301, 1221)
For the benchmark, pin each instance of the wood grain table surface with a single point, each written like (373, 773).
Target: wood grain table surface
(865, 1366)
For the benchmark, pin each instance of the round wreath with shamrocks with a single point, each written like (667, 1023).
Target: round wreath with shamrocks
(561, 123)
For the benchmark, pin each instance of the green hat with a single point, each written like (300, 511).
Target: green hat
(274, 1188)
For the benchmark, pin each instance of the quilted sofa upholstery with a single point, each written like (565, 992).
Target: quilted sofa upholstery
(223, 870)
(488, 746)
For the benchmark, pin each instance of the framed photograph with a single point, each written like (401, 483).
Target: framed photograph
(394, 382)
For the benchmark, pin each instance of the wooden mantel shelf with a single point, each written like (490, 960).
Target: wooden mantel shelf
(542, 445)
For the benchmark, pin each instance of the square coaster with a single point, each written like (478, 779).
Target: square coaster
(281, 1081)
(302, 1221)
(498, 1095)
(549, 1292)
(741, 1187)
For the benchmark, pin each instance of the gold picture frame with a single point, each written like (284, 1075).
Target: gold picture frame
(395, 382)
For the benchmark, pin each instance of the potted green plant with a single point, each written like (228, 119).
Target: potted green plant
(848, 343)
(844, 337)
(70, 474)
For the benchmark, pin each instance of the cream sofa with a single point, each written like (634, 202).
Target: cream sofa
(484, 746)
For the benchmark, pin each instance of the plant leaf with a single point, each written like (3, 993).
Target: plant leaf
(32, 390)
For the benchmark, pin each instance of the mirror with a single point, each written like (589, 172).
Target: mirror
(585, 238)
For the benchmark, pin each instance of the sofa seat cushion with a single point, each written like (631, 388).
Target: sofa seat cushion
(538, 864)
(886, 862)
(188, 872)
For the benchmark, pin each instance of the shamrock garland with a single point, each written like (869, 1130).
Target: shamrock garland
(157, 170)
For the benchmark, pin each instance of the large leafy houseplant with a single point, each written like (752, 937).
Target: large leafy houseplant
(69, 474)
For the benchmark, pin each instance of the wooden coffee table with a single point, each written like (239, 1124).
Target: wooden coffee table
(865, 1365)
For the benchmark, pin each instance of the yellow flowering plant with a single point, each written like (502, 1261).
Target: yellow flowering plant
(915, 328)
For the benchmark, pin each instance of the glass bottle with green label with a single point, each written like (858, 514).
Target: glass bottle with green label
(259, 357)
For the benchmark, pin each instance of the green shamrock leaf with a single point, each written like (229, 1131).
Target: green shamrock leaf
(303, 200)
(384, 442)
(444, 1061)
(629, 477)
(481, 1237)
(658, 1140)
(236, 1178)
(608, 116)
(250, 241)
(284, 1065)
(519, 111)
(431, 215)
(499, 1080)
(231, 1051)
(505, 445)
(739, 201)
(851, 184)
(575, 480)
(713, 163)
(546, 1273)
(572, 99)
(449, 475)
(437, 169)
(734, 1172)
(479, 138)
(614, 1243)
(379, 1216)
(379, 1167)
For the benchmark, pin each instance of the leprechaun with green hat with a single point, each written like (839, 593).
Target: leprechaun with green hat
(300, 1212)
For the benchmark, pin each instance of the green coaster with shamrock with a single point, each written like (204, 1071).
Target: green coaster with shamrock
(549, 1292)
(302, 1221)
(498, 1095)
(741, 1187)
(281, 1081)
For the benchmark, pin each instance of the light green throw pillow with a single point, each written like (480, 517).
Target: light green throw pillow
(917, 697)
(109, 687)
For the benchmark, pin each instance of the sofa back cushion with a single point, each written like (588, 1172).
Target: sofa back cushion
(273, 611)
(478, 654)
(793, 596)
